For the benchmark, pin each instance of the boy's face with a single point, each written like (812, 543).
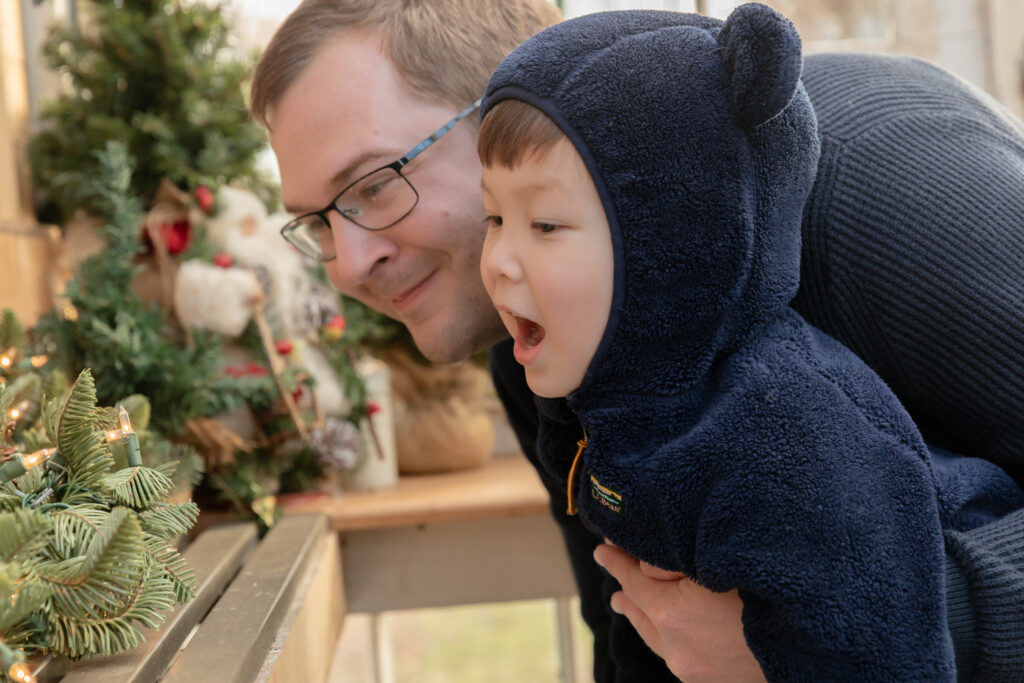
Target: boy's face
(548, 264)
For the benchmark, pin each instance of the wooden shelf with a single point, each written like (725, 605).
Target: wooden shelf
(506, 486)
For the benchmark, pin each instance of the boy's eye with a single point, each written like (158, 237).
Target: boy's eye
(493, 221)
(545, 227)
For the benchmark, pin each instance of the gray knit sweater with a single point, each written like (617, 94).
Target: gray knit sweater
(913, 256)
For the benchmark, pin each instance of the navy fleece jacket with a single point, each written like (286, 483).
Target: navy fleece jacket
(729, 439)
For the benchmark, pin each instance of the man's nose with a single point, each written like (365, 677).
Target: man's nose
(358, 252)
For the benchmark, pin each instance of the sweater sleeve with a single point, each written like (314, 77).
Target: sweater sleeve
(620, 656)
(914, 258)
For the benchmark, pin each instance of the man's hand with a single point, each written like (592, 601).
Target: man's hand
(697, 632)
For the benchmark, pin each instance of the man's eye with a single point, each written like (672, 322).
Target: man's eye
(371, 191)
(493, 221)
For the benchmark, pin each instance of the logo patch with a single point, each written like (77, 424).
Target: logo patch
(605, 496)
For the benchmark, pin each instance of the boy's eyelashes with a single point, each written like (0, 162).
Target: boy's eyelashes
(544, 227)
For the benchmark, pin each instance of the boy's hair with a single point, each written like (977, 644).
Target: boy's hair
(514, 131)
(444, 49)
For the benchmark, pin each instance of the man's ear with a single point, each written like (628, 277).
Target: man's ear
(761, 50)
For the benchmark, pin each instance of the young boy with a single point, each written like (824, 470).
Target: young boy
(644, 178)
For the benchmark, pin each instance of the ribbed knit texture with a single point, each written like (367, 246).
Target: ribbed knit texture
(913, 256)
(914, 245)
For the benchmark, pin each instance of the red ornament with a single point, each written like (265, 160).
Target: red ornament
(250, 369)
(254, 368)
(283, 346)
(176, 236)
(372, 408)
(297, 394)
(223, 259)
(204, 198)
(334, 328)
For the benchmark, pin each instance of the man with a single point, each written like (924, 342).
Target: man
(349, 89)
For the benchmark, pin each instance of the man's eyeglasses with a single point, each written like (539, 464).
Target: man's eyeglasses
(376, 201)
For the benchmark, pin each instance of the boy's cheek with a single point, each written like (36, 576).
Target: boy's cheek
(486, 267)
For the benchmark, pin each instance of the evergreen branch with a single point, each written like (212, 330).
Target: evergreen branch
(71, 425)
(11, 331)
(169, 521)
(173, 567)
(74, 528)
(77, 638)
(99, 581)
(138, 487)
(113, 630)
(24, 533)
(20, 601)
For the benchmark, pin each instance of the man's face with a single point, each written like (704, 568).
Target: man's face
(348, 114)
(548, 265)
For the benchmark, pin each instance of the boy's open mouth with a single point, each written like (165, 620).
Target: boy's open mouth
(528, 333)
(528, 336)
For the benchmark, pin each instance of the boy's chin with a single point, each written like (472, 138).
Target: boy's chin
(545, 388)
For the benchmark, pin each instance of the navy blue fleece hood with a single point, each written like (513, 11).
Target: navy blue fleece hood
(728, 439)
(702, 165)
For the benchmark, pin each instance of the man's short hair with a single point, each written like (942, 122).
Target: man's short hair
(444, 49)
(514, 131)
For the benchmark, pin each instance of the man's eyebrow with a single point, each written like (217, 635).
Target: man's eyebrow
(342, 178)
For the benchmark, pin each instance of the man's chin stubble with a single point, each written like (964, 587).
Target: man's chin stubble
(459, 345)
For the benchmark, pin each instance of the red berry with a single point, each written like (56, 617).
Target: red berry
(176, 236)
(372, 408)
(254, 368)
(204, 198)
(337, 323)
(283, 346)
(223, 259)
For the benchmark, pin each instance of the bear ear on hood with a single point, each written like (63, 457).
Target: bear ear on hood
(761, 50)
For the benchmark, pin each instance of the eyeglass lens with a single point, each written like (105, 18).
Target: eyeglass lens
(375, 202)
(378, 200)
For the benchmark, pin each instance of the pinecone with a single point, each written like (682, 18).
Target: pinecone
(337, 445)
(321, 306)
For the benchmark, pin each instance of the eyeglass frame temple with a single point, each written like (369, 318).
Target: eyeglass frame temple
(415, 151)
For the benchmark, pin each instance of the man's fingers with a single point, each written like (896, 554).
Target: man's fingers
(641, 623)
(617, 562)
(648, 593)
(658, 574)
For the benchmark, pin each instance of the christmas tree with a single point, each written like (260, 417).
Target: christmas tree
(157, 76)
(87, 552)
(106, 326)
(149, 132)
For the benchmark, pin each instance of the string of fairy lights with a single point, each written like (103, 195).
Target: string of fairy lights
(14, 464)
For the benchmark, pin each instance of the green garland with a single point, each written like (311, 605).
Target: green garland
(87, 553)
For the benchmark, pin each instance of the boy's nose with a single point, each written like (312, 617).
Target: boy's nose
(500, 258)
